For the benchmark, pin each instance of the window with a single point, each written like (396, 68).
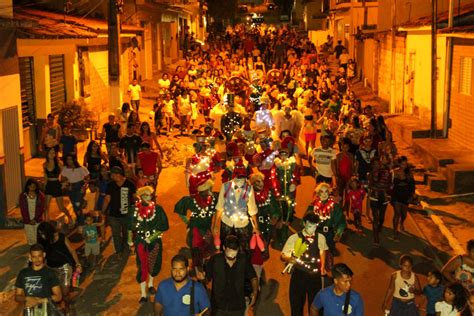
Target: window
(465, 76)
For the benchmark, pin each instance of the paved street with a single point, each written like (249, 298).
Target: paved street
(112, 289)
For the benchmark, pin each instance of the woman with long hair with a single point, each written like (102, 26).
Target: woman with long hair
(149, 137)
(75, 177)
(402, 193)
(52, 170)
(93, 158)
(32, 205)
(60, 256)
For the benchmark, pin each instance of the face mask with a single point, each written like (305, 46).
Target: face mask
(231, 254)
(310, 228)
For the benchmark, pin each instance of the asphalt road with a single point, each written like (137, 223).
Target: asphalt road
(114, 291)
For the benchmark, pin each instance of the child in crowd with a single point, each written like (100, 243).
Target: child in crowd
(90, 197)
(91, 238)
(433, 291)
(454, 300)
(354, 198)
(141, 180)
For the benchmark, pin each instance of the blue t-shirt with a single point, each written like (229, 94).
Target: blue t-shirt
(333, 305)
(90, 234)
(433, 294)
(177, 302)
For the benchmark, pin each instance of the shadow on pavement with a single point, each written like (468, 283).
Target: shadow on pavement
(94, 298)
(12, 260)
(389, 251)
(266, 304)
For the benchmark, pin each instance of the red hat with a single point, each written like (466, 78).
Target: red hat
(288, 144)
(239, 170)
(232, 150)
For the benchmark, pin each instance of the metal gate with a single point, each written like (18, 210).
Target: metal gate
(11, 140)
(28, 107)
(57, 82)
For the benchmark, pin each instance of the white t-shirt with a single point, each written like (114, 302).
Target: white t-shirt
(76, 174)
(134, 92)
(323, 159)
(31, 207)
(445, 309)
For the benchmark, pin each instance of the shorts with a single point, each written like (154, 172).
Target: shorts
(64, 274)
(92, 249)
(309, 137)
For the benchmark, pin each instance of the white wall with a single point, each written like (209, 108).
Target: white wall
(419, 43)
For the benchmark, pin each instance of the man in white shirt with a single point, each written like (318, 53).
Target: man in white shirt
(236, 210)
(325, 158)
(134, 91)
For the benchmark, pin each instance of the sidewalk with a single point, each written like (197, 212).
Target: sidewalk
(453, 216)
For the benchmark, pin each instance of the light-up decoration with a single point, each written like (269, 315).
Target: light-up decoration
(206, 210)
(323, 209)
(144, 214)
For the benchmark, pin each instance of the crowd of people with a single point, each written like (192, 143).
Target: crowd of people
(272, 112)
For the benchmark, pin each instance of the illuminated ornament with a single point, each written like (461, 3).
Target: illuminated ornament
(204, 208)
(144, 219)
(323, 209)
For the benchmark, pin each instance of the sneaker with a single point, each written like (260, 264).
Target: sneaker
(151, 290)
(143, 300)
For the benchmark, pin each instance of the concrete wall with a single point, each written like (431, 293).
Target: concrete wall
(367, 64)
(318, 38)
(10, 91)
(346, 23)
(40, 51)
(98, 66)
(462, 105)
(99, 77)
(418, 47)
(409, 10)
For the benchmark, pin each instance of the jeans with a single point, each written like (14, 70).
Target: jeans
(76, 195)
(119, 232)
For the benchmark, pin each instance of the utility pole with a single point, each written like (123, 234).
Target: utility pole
(393, 90)
(434, 56)
(449, 65)
(114, 54)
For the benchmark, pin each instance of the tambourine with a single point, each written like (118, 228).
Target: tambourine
(274, 76)
(235, 84)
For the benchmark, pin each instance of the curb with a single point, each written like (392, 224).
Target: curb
(453, 241)
(436, 259)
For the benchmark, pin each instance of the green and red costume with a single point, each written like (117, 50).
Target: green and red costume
(268, 209)
(149, 221)
(199, 238)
